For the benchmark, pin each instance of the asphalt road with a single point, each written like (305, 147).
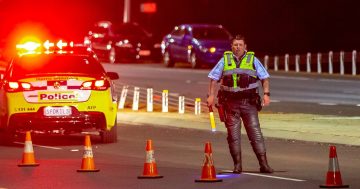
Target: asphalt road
(179, 155)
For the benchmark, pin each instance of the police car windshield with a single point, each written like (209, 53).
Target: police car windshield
(213, 33)
(55, 64)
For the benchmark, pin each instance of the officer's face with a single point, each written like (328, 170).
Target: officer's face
(238, 47)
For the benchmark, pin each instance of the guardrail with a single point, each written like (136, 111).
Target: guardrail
(343, 63)
(188, 105)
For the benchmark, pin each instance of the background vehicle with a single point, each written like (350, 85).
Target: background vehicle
(195, 43)
(122, 42)
(58, 91)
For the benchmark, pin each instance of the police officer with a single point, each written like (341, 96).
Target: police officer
(238, 72)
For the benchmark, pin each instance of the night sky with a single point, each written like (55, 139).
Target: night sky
(270, 26)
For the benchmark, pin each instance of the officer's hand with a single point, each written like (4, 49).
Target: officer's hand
(266, 100)
(210, 100)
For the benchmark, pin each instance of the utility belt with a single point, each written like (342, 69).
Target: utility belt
(247, 94)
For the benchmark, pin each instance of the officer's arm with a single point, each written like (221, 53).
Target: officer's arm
(211, 92)
(266, 88)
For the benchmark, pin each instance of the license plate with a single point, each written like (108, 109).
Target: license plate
(144, 53)
(57, 111)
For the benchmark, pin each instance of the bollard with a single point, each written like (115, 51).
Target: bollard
(149, 106)
(308, 62)
(197, 106)
(319, 63)
(342, 57)
(181, 104)
(297, 63)
(276, 63)
(135, 105)
(123, 97)
(353, 60)
(266, 61)
(331, 56)
(286, 62)
(165, 101)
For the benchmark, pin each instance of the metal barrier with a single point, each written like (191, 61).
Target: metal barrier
(342, 63)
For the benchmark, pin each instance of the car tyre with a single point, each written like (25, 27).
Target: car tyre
(109, 136)
(112, 56)
(168, 62)
(195, 63)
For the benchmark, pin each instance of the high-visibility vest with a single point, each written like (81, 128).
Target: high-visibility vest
(231, 70)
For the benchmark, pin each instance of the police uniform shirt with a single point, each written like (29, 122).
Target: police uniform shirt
(216, 72)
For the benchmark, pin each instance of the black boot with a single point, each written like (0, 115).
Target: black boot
(237, 163)
(264, 166)
(235, 151)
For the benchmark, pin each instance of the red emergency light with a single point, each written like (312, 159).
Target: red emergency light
(149, 7)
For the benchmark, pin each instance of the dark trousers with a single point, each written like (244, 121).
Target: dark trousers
(243, 109)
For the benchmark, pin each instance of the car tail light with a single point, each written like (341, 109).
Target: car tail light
(98, 85)
(61, 44)
(28, 47)
(14, 86)
(48, 45)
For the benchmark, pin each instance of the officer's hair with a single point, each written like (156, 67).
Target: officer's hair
(238, 37)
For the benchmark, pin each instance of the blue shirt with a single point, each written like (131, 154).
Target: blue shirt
(216, 72)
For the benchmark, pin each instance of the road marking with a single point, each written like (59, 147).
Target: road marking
(49, 147)
(327, 104)
(293, 78)
(337, 80)
(275, 177)
(339, 118)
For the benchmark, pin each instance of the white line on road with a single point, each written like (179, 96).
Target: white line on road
(339, 118)
(328, 104)
(49, 147)
(289, 77)
(275, 177)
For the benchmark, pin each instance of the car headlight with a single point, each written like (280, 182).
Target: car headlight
(203, 49)
(124, 44)
(212, 49)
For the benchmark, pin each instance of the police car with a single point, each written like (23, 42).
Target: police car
(58, 88)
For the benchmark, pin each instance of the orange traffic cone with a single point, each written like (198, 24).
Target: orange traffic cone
(333, 176)
(208, 170)
(87, 164)
(28, 159)
(150, 170)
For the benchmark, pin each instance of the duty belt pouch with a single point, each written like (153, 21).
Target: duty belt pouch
(243, 80)
(256, 100)
(221, 111)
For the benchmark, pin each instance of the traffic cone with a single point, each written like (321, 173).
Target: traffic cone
(333, 176)
(28, 158)
(208, 170)
(87, 164)
(150, 170)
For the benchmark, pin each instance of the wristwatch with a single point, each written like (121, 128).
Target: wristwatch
(267, 93)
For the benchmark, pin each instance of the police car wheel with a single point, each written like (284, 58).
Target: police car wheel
(109, 136)
(167, 60)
